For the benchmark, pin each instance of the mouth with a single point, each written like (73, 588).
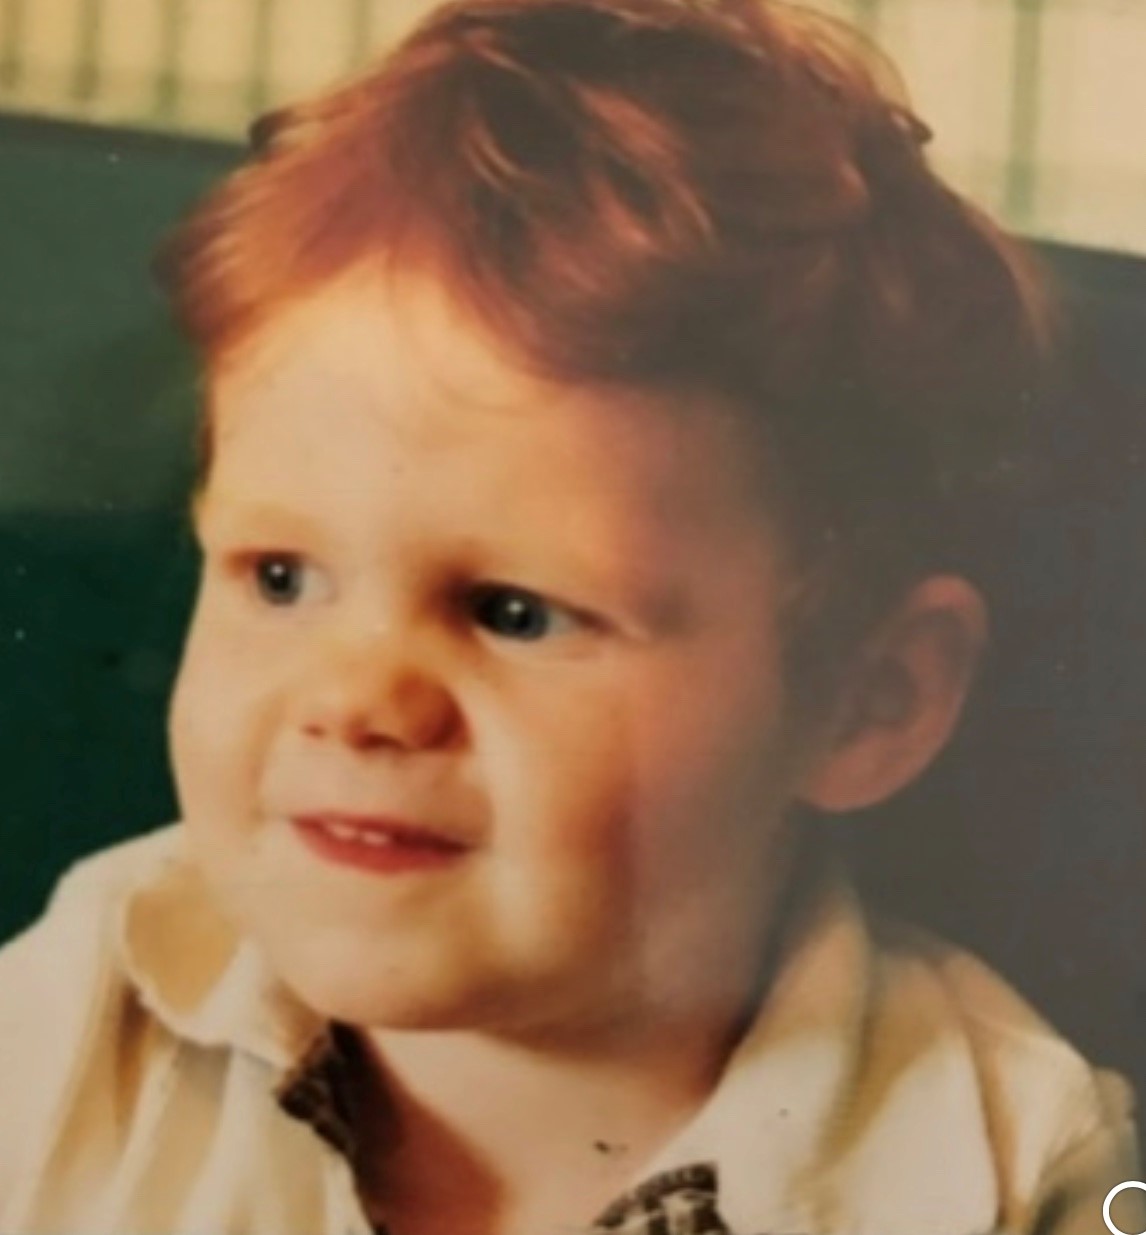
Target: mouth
(377, 844)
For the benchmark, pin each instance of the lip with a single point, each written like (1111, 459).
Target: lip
(377, 843)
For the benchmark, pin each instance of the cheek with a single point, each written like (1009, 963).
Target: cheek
(610, 772)
(220, 715)
(692, 759)
(555, 768)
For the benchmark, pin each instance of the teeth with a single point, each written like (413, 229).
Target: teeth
(359, 836)
(341, 831)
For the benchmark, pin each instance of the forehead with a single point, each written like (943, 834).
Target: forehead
(393, 374)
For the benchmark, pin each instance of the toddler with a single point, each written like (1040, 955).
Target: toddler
(598, 395)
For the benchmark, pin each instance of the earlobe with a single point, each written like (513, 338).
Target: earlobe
(904, 698)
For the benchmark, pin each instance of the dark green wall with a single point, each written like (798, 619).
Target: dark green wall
(1027, 842)
(96, 404)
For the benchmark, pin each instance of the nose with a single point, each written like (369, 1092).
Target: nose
(368, 697)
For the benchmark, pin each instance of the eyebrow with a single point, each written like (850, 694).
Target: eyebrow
(212, 515)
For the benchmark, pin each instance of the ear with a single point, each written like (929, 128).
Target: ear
(903, 699)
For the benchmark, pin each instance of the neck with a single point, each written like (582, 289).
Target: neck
(469, 1131)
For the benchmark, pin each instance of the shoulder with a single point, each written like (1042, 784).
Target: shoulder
(102, 878)
(1022, 1063)
(70, 944)
(893, 1083)
(1055, 1127)
(61, 983)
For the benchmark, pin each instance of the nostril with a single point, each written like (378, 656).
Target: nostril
(409, 716)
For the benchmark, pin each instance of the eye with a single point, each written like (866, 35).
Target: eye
(513, 613)
(284, 579)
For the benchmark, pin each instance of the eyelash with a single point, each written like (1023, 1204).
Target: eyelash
(251, 566)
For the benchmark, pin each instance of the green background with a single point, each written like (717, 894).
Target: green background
(97, 399)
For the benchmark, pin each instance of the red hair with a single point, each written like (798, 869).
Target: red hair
(723, 194)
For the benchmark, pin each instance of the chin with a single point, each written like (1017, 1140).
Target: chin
(397, 1010)
(348, 980)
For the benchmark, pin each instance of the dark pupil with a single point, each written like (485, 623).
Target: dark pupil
(513, 614)
(280, 579)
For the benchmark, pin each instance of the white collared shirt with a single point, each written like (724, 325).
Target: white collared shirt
(889, 1085)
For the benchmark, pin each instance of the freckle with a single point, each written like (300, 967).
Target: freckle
(604, 1147)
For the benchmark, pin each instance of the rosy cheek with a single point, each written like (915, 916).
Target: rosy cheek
(574, 769)
(221, 714)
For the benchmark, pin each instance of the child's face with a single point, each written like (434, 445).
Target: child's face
(533, 627)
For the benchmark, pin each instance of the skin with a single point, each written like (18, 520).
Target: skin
(620, 783)
(620, 780)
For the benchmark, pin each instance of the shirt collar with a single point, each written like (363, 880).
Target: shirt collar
(197, 974)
